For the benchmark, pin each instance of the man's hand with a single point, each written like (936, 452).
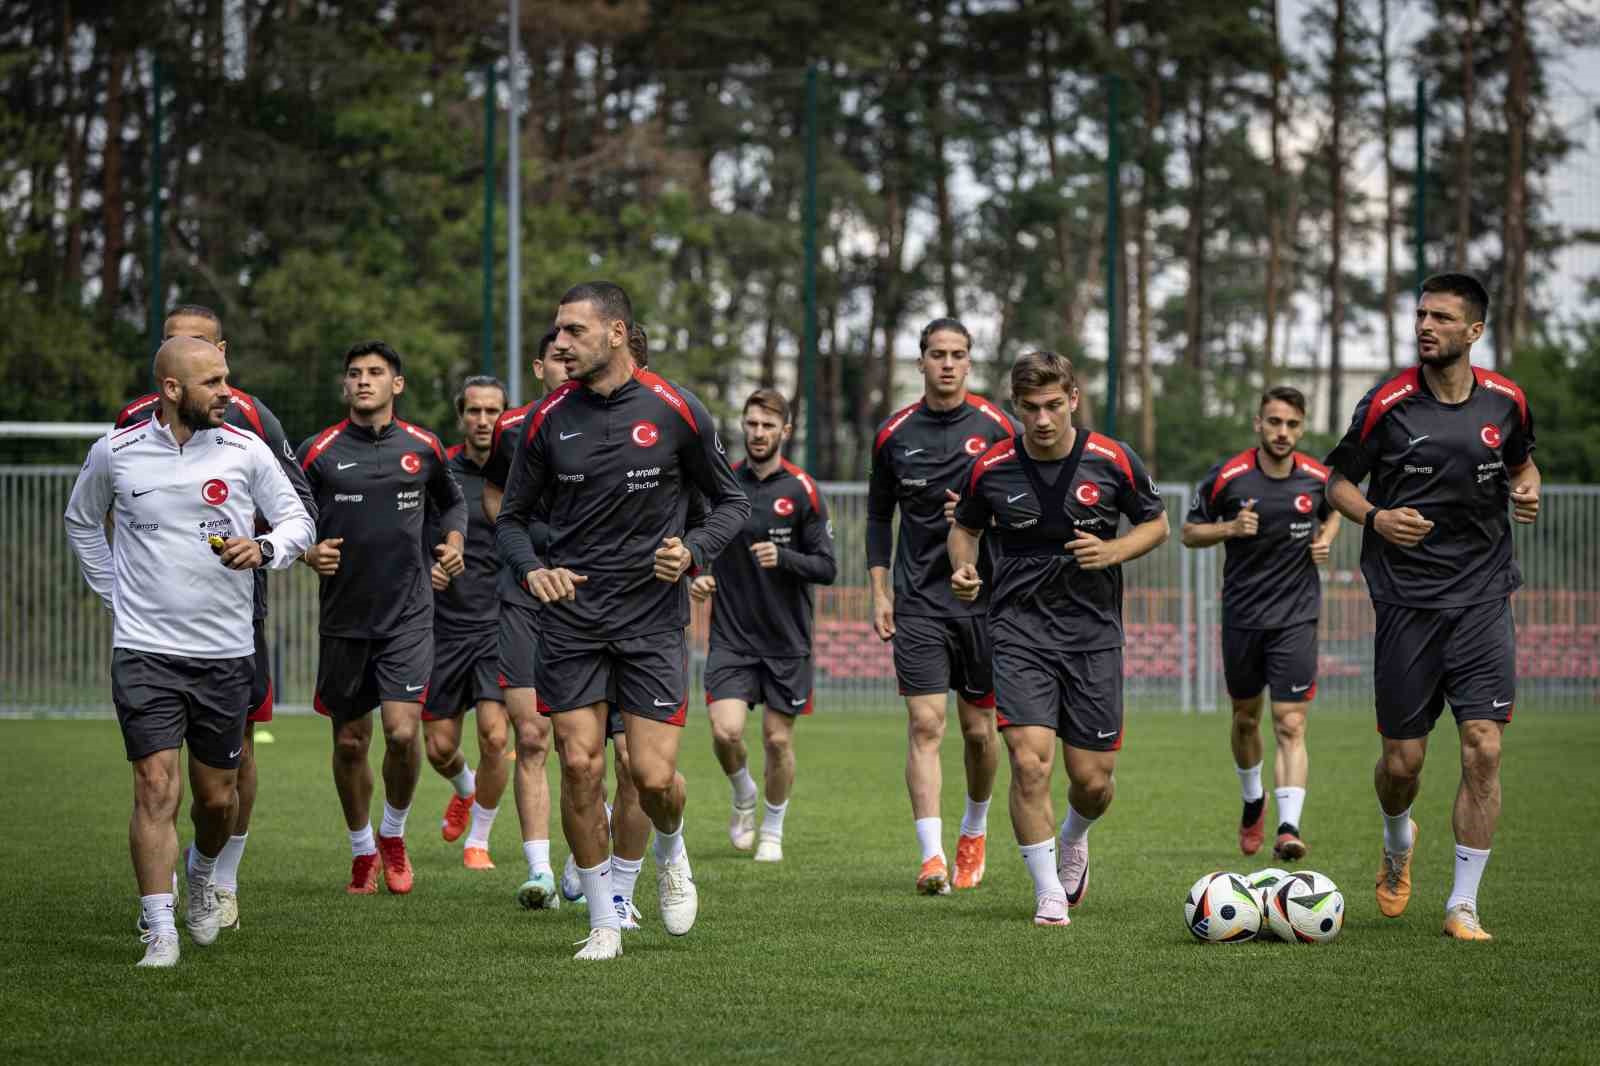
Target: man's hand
(951, 498)
(766, 554)
(1525, 502)
(1246, 522)
(883, 614)
(1404, 526)
(450, 558)
(548, 586)
(241, 553)
(323, 556)
(1320, 550)
(966, 583)
(1093, 553)
(673, 560)
(438, 578)
(702, 588)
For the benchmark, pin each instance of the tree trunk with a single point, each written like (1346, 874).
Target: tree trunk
(1513, 298)
(112, 193)
(76, 135)
(941, 196)
(1117, 250)
(769, 337)
(1464, 151)
(1194, 319)
(1390, 219)
(1336, 242)
(1269, 354)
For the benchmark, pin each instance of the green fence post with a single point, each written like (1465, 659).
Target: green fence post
(1113, 221)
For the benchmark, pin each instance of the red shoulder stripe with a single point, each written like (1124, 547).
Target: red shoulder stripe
(805, 482)
(236, 430)
(1506, 387)
(664, 389)
(987, 408)
(547, 405)
(1242, 463)
(122, 430)
(1107, 448)
(896, 420)
(453, 451)
(511, 418)
(1386, 396)
(320, 445)
(1311, 466)
(998, 453)
(126, 416)
(424, 436)
(247, 404)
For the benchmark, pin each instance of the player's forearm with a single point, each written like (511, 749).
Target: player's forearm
(512, 542)
(1329, 529)
(817, 568)
(1144, 538)
(291, 535)
(962, 545)
(89, 544)
(880, 542)
(1204, 534)
(725, 517)
(878, 577)
(1348, 499)
(1527, 474)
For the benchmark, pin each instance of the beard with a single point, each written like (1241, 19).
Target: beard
(196, 417)
(1441, 356)
(759, 452)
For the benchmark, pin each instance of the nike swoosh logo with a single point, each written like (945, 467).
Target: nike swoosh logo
(1419, 440)
(1497, 704)
(569, 436)
(347, 466)
(669, 703)
(914, 451)
(234, 754)
(1105, 736)
(1014, 499)
(796, 703)
(413, 688)
(1298, 688)
(142, 492)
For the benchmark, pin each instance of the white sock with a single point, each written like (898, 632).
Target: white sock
(608, 814)
(158, 913)
(361, 842)
(465, 783)
(772, 820)
(537, 852)
(228, 862)
(394, 821)
(744, 787)
(624, 875)
(482, 822)
(1250, 782)
(1040, 859)
(1076, 826)
(201, 867)
(1291, 801)
(975, 822)
(1470, 864)
(1397, 831)
(598, 887)
(669, 846)
(930, 834)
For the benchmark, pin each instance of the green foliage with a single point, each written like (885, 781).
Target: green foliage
(1562, 383)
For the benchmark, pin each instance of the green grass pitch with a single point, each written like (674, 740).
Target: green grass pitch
(829, 957)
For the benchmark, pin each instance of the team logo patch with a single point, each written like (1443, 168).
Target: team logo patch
(215, 492)
(974, 445)
(783, 506)
(1490, 435)
(1087, 493)
(410, 463)
(1302, 503)
(645, 434)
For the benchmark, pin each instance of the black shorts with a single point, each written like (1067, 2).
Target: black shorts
(645, 676)
(261, 679)
(465, 670)
(354, 673)
(934, 655)
(166, 701)
(782, 685)
(1421, 658)
(1076, 693)
(1282, 660)
(517, 642)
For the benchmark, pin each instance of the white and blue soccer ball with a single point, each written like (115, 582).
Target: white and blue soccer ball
(1221, 908)
(1305, 908)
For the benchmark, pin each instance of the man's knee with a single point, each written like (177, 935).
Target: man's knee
(1289, 726)
(926, 727)
(778, 746)
(977, 730)
(1480, 749)
(1030, 771)
(493, 736)
(1401, 763)
(441, 746)
(400, 733)
(1247, 715)
(156, 784)
(350, 744)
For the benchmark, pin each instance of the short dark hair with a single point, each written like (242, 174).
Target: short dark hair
(195, 311)
(1469, 288)
(1284, 394)
(770, 400)
(544, 345)
(608, 298)
(639, 344)
(479, 381)
(361, 348)
(954, 325)
(1040, 370)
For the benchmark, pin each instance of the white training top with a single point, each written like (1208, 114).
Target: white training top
(168, 591)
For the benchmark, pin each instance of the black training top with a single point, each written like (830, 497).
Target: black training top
(470, 600)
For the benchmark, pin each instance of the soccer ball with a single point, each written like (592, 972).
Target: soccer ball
(1221, 909)
(1305, 907)
(1261, 883)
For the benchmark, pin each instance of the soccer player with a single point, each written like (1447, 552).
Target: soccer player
(1055, 500)
(370, 473)
(760, 647)
(250, 414)
(918, 462)
(613, 453)
(465, 641)
(183, 489)
(1278, 529)
(1448, 447)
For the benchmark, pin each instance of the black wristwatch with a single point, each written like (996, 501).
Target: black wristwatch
(1372, 517)
(267, 550)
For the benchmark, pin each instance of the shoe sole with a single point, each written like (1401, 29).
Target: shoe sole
(1294, 851)
(1051, 921)
(938, 885)
(533, 897)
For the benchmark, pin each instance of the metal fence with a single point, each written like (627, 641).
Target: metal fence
(55, 637)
